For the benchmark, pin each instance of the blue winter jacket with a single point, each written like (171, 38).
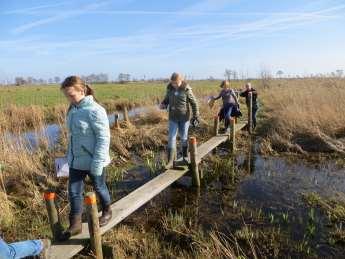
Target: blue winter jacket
(89, 136)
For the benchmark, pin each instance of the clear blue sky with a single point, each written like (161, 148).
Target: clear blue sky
(44, 38)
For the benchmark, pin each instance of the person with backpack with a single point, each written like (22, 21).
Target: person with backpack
(23, 249)
(178, 100)
(245, 93)
(230, 106)
(88, 151)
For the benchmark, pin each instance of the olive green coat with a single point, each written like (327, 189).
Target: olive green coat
(179, 100)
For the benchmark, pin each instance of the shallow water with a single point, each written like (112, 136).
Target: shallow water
(52, 131)
(273, 185)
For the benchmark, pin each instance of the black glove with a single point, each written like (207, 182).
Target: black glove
(195, 122)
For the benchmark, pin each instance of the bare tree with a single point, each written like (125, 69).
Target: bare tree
(19, 80)
(57, 79)
(124, 78)
(266, 77)
(340, 73)
(228, 74)
(30, 80)
(280, 73)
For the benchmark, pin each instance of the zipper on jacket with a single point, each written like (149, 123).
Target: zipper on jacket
(72, 141)
(87, 151)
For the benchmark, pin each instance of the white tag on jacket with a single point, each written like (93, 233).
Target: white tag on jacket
(61, 167)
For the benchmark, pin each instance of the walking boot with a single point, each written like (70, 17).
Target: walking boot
(106, 216)
(184, 161)
(171, 157)
(75, 227)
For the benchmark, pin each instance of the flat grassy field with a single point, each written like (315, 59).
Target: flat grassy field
(138, 92)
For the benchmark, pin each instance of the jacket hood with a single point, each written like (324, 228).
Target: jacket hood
(86, 101)
(184, 86)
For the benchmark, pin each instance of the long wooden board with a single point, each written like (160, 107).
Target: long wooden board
(133, 201)
(214, 142)
(121, 209)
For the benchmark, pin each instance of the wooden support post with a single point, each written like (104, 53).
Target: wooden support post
(53, 216)
(94, 229)
(249, 156)
(125, 114)
(116, 122)
(232, 172)
(232, 136)
(250, 113)
(216, 126)
(193, 161)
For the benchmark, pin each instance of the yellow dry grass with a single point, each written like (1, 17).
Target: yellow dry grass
(305, 114)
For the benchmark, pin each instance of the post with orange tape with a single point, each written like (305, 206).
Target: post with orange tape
(193, 161)
(93, 222)
(232, 136)
(53, 215)
(216, 126)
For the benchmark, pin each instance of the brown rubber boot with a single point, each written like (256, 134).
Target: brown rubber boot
(106, 216)
(75, 228)
(185, 153)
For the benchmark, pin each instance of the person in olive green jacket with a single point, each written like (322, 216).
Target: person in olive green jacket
(181, 102)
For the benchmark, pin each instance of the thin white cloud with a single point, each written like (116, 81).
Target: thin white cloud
(196, 13)
(31, 10)
(178, 39)
(203, 35)
(58, 17)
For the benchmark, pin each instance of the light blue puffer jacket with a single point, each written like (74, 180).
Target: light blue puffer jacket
(89, 136)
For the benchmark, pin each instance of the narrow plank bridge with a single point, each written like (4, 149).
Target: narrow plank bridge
(127, 205)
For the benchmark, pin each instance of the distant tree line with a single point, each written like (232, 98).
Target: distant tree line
(35, 81)
(229, 74)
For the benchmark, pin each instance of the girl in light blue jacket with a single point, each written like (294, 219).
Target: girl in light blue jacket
(88, 150)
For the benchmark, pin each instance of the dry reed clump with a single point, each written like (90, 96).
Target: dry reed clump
(305, 115)
(17, 118)
(25, 178)
(25, 174)
(119, 104)
(56, 114)
(152, 115)
(6, 215)
(146, 133)
(173, 238)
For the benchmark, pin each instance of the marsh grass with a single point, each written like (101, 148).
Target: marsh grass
(304, 115)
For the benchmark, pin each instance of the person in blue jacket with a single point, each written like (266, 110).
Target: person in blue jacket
(230, 103)
(88, 151)
(23, 249)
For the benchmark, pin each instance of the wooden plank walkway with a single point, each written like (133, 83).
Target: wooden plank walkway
(214, 142)
(121, 209)
(133, 201)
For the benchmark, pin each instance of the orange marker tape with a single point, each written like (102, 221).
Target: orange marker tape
(192, 140)
(49, 196)
(89, 200)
